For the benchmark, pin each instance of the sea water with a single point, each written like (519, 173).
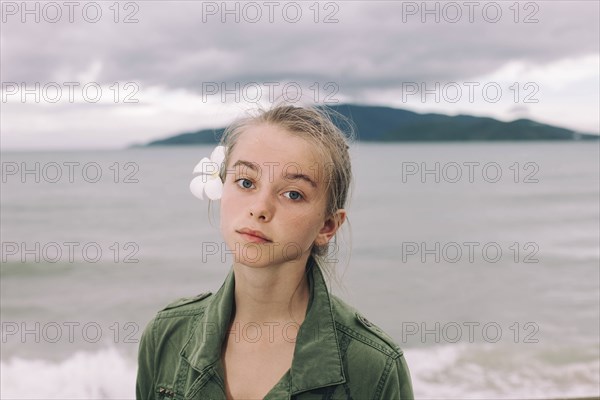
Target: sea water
(481, 260)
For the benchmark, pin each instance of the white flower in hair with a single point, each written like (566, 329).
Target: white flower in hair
(209, 182)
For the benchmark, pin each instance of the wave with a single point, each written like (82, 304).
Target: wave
(490, 371)
(459, 371)
(106, 374)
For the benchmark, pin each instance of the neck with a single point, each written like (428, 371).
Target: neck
(277, 293)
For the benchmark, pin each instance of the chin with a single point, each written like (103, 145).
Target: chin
(261, 255)
(250, 254)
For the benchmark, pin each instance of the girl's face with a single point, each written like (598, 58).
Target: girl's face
(275, 185)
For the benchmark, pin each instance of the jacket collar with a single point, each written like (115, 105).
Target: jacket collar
(317, 360)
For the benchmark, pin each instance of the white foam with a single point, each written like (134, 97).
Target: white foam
(105, 374)
(459, 371)
(476, 371)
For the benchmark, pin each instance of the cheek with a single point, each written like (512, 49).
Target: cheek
(228, 192)
(227, 215)
(230, 201)
(308, 222)
(225, 203)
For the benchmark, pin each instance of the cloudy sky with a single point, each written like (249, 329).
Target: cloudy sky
(107, 75)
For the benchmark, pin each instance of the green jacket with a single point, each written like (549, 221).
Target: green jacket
(338, 353)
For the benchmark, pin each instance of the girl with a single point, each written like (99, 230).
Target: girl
(273, 330)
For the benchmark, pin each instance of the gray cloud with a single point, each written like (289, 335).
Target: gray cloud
(369, 48)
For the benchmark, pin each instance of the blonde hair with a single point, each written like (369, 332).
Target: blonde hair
(318, 126)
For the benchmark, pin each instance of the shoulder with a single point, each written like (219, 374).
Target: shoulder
(351, 322)
(174, 320)
(162, 339)
(370, 355)
(186, 305)
(177, 313)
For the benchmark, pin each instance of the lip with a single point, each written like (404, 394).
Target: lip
(254, 236)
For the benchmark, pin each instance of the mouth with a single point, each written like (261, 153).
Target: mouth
(254, 236)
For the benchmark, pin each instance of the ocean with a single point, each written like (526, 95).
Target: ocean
(480, 259)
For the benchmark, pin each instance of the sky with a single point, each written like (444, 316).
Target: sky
(106, 75)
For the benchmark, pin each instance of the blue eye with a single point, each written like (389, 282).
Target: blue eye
(246, 183)
(294, 195)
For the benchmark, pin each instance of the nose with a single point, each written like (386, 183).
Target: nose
(262, 206)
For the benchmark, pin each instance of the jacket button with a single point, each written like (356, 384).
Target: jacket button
(364, 320)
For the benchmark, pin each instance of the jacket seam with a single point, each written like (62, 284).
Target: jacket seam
(387, 350)
(154, 341)
(186, 313)
(384, 377)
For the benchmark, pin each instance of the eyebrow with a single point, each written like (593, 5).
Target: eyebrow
(301, 176)
(255, 167)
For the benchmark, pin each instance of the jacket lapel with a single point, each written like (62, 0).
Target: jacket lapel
(203, 348)
(317, 360)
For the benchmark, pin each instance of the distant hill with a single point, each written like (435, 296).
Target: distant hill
(385, 124)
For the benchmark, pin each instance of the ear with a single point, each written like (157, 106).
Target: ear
(330, 227)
